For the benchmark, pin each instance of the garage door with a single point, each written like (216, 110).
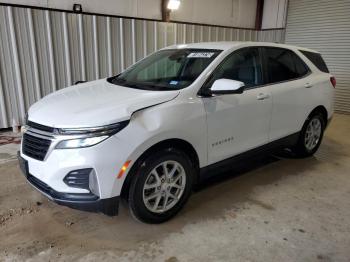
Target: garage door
(324, 26)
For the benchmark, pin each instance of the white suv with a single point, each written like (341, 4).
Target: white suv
(152, 132)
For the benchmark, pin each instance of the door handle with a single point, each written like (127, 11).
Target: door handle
(262, 96)
(308, 85)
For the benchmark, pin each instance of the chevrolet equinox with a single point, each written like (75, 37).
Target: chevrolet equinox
(152, 132)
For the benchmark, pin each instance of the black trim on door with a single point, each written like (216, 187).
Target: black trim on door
(226, 165)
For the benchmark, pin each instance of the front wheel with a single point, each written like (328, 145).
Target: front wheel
(161, 185)
(310, 136)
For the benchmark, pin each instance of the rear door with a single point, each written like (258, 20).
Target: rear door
(290, 83)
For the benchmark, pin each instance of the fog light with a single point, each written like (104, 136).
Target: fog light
(83, 178)
(93, 183)
(78, 178)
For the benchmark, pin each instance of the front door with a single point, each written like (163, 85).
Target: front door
(238, 122)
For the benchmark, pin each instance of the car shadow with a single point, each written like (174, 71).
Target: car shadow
(239, 169)
(223, 191)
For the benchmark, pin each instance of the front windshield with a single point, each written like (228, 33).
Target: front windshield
(171, 69)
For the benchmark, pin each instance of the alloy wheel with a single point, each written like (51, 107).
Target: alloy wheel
(164, 186)
(313, 134)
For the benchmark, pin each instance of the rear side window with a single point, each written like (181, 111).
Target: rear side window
(283, 65)
(317, 60)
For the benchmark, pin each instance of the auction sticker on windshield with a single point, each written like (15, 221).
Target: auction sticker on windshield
(200, 55)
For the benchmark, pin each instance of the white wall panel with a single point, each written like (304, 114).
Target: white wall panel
(324, 26)
(274, 14)
(42, 51)
(236, 13)
(135, 8)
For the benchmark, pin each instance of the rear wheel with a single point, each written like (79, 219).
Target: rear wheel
(310, 136)
(161, 186)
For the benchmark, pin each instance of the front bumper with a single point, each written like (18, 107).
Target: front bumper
(105, 159)
(81, 201)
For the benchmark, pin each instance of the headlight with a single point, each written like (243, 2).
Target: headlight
(87, 137)
(81, 142)
(101, 130)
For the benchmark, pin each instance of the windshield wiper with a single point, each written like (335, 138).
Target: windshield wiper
(118, 80)
(140, 86)
(144, 86)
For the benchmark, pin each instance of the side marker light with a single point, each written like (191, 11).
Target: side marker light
(123, 169)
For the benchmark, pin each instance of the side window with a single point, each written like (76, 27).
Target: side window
(300, 66)
(317, 60)
(242, 65)
(283, 65)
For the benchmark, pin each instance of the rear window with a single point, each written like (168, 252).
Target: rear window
(317, 60)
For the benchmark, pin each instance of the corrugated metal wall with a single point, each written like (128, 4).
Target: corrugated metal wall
(324, 26)
(42, 51)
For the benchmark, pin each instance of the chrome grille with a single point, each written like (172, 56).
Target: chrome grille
(35, 147)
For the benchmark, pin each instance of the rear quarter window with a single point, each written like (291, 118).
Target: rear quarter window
(317, 60)
(283, 65)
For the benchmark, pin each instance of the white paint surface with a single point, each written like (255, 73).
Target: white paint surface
(177, 114)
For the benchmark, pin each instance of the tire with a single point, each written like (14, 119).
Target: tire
(303, 147)
(154, 199)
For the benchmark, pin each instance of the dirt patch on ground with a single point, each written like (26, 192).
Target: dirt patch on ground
(9, 139)
(12, 213)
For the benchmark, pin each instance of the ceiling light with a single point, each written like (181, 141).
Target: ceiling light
(173, 4)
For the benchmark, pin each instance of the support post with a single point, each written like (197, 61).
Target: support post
(165, 11)
(259, 14)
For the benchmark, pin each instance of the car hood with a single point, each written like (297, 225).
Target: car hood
(92, 104)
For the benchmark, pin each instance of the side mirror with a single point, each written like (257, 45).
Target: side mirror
(227, 86)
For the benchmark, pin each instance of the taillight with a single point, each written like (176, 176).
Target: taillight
(333, 81)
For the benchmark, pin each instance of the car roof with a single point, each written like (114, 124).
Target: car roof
(223, 45)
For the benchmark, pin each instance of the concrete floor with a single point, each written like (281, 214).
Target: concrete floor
(277, 209)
